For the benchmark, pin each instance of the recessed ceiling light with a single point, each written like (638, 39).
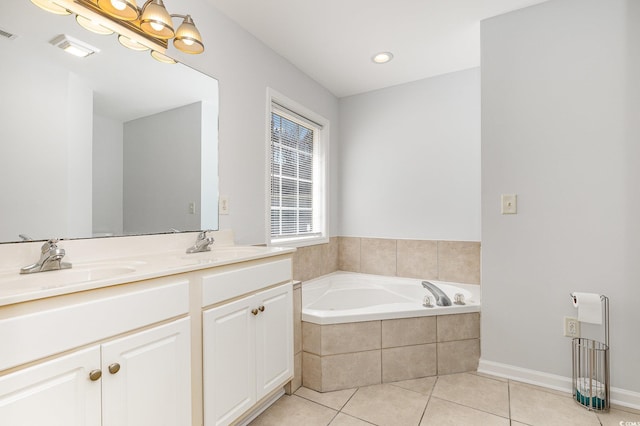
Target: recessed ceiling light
(382, 57)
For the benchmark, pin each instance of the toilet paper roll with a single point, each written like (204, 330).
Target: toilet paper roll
(589, 307)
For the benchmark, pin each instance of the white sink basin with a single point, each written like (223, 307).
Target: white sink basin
(54, 279)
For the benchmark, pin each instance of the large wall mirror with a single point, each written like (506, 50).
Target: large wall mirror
(112, 144)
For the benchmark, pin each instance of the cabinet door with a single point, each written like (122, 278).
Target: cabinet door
(229, 361)
(147, 377)
(274, 338)
(54, 393)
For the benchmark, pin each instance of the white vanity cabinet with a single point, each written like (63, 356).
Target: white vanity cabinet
(141, 378)
(248, 342)
(55, 393)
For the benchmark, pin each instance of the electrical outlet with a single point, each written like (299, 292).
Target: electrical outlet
(571, 327)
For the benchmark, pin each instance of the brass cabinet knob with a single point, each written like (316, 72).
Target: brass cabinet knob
(95, 375)
(114, 368)
(261, 308)
(254, 311)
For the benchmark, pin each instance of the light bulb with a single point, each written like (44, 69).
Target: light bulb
(156, 26)
(188, 42)
(119, 4)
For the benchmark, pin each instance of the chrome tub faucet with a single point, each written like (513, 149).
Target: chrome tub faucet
(50, 259)
(203, 243)
(441, 298)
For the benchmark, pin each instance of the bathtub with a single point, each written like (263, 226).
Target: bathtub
(344, 297)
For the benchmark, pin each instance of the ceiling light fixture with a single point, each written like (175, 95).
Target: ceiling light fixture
(162, 57)
(138, 28)
(127, 10)
(131, 43)
(382, 57)
(51, 6)
(74, 46)
(93, 26)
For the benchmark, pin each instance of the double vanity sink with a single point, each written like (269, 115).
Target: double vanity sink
(91, 274)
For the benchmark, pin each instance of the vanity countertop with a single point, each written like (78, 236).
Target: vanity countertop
(93, 272)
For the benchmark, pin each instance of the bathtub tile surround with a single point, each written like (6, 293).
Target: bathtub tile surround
(296, 382)
(343, 371)
(458, 356)
(454, 261)
(458, 327)
(409, 362)
(341, 338)
(317, 260)
(417, 259)
(408, 331)
(459, 261)
(378, 256)
(342, 356)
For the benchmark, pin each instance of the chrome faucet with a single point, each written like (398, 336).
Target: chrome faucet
(202, 243)
(441, 298)
(50, 259)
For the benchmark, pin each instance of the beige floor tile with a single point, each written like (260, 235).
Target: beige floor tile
(386, 405)
(618, 417)
(444, 413)
(345, 420)
(514, 423)
(474, 391)
(335, 400)
(423, 386)
(537, 407)
(295, 411)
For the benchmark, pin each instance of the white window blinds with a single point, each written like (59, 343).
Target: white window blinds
(293, 141)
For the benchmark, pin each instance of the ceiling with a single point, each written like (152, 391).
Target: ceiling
(333, 41)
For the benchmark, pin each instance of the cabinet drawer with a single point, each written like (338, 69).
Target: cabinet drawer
(36, 330)
(222, 286)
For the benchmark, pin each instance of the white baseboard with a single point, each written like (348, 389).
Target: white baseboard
(621, 397)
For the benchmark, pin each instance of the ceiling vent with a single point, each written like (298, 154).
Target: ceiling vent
(8, 35)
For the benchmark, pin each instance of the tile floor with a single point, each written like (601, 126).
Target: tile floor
(456, 399)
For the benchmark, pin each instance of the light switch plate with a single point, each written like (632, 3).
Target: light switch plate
(223, 207)
(509, 204)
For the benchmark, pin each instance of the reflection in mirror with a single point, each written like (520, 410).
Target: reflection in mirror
(112, 144)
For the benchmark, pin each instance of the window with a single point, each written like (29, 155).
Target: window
(297, 186)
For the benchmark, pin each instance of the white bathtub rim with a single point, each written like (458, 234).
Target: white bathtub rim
(390, 311)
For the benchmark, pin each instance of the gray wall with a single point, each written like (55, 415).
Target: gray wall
(162, 170)
(560, 105)
(410, 160)
(107, 175)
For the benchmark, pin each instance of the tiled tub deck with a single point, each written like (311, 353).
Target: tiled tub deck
(343, 356)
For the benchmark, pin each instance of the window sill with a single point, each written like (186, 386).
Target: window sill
(299, 242)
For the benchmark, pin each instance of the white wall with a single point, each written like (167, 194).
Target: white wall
(410, 160)
(560, 128)
(245, 68)
(161, 158)
(107, 175)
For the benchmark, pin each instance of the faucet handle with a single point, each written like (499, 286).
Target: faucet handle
(203, 234)
(49, 244)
